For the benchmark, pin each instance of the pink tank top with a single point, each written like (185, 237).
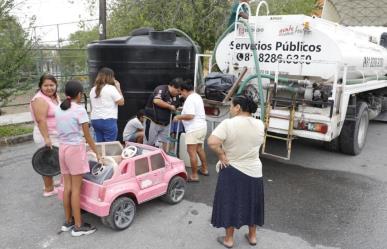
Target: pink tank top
(50, 119)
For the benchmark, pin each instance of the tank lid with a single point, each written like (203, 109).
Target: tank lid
(166, 36)
(142, 31)
(117, 40)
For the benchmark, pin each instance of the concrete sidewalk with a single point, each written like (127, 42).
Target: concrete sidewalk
(17, 118)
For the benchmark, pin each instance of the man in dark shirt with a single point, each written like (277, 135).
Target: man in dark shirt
(162, 102)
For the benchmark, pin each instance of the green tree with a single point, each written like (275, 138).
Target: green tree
(73, 57)
(288, 7)
(15, 54)
(202, 20)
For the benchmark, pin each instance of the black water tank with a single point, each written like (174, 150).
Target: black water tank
(141, 62)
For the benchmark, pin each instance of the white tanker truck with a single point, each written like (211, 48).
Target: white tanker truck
(313, 78)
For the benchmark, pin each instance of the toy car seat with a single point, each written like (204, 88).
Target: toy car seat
(100, 172)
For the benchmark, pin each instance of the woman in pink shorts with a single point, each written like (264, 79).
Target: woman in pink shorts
(72, 123)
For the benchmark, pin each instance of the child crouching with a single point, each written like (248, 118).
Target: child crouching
(72, 123)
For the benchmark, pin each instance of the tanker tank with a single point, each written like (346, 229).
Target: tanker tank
(301, 46)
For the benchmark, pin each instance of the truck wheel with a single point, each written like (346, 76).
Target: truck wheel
(354, 132)
(121, 215)
(384, 104)
(176, 190)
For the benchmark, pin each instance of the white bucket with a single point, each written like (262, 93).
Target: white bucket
(183, 154)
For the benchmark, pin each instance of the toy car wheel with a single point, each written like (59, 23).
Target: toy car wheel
(176, 190)
(121, 215)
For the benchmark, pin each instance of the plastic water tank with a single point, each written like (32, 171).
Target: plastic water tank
(141, 62)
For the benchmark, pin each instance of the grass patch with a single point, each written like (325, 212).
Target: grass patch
(15, 130)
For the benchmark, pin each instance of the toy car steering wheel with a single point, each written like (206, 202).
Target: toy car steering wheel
(129, 152)
(97, 169)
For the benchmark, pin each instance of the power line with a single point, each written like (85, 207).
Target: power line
(63, 23)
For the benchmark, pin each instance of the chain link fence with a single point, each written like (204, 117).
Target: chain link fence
(52, 55)
(64, 64)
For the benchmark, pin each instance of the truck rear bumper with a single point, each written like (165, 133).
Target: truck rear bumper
(279, 123)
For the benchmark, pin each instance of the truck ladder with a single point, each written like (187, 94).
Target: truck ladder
(288, 138)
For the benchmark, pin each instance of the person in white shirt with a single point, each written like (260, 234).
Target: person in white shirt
(195, 125)
(134, 130)
(105, 97)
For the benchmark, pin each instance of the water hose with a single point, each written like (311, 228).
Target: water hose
(359, 81)
(257, 71)
(285, 82)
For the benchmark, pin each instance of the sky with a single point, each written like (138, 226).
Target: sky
(53, 12)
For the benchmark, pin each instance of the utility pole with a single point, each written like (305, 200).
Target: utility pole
(57, 33)
(102, 20)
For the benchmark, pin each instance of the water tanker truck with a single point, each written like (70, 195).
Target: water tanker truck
(312, 78)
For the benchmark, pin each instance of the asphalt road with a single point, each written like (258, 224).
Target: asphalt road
(318, 199)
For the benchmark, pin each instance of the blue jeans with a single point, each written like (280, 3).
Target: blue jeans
(105, 129)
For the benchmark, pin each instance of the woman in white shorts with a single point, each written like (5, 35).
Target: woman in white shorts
(194, 120)
(42, 107)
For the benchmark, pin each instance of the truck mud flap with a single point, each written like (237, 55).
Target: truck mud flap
(382, 117)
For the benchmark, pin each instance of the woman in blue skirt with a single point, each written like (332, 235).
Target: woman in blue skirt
(239, 197)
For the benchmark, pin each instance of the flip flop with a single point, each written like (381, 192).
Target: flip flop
(220, 239)
(192, 180)
(248, 240)
(203, 174)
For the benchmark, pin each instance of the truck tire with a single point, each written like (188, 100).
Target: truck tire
(354, 132)
(384, 104)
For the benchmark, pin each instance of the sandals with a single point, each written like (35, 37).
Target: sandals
(193, 180)
(51, 193)
(202, 173)
(221, 241)
(248, 240)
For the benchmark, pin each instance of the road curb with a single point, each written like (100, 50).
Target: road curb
(16, 139)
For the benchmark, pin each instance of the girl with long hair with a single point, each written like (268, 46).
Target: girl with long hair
(72, 124)
(105, 97)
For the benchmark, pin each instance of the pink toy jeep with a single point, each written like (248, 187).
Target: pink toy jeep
(126, 177)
